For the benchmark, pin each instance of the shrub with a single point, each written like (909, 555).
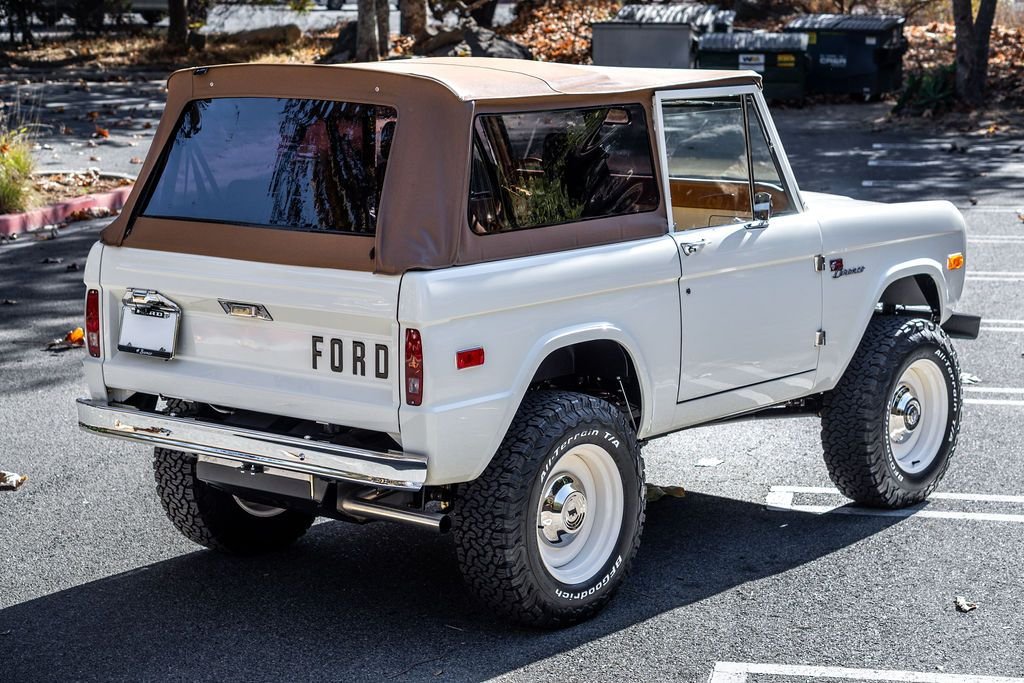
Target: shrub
(929, 92)
(16, 166)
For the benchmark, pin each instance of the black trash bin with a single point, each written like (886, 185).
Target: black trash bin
(656, 35)
(856, 54)
(780, 58)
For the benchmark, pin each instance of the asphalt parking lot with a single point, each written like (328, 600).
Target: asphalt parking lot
(760, 573)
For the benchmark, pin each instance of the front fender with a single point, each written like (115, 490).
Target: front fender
(844, 335)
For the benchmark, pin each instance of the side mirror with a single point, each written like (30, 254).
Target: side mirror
(762, 209)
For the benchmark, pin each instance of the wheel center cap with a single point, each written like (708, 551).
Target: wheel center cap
(574, 511)
(912, 414)
(563, 511)
(904, 415)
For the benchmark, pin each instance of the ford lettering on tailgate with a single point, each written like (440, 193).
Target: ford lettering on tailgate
(350, 357)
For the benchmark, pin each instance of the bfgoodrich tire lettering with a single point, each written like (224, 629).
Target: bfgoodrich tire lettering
(496, 516)
(213, 518)
(860, 453)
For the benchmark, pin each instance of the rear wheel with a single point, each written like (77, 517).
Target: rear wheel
(217, 519)
(546, 534)
(890, 426)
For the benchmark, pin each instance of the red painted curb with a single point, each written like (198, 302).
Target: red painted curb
(14, 223)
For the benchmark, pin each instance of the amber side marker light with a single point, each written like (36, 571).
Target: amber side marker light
(955, 261)
(92, 322)
(470, 358)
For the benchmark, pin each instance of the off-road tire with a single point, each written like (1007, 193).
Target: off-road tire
(854, 416)
(495, 516)
(212, 518)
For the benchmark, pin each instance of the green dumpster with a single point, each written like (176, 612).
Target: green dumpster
(780, 58)
(856, 54)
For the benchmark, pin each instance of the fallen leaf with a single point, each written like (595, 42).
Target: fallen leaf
(709, 462)
(73, 268)
(655, 492)
(95, 158)
(972, 200)
(135, 160)
(93, 115)
(11, 481)
(963, 604)
(50, 259)
(968, 378)
(102, 132)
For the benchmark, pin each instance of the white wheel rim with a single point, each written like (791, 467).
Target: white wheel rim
(918, 411)
(258, 509)
(579, 514)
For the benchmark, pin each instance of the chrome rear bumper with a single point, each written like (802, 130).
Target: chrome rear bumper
(390, 469)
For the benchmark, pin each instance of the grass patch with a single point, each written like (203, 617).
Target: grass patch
(17, 188)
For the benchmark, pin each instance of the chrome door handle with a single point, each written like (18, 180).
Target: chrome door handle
(689, 248)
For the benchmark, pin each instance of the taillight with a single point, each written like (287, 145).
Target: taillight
(413, 367)
(92, 322)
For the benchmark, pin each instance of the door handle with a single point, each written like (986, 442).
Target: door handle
(689, 248)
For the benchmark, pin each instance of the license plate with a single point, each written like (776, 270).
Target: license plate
(149, 324)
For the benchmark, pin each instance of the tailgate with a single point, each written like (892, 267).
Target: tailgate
(327, 353)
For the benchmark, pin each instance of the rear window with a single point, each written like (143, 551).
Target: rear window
(290, 164)
(534, 169)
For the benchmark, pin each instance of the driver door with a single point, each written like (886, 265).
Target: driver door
(750, 291)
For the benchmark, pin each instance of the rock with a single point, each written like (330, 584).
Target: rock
(435, 40)
(286, 34)
(483, 42)
(344, 48)
(468, 38)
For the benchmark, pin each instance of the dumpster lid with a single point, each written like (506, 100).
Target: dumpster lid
(861, 23)
(760, 41)
(697, 15)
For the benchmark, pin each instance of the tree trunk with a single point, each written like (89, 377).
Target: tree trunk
(367, 48)
(383, 28)
(972, 44)
(177, 30)
(414, 16)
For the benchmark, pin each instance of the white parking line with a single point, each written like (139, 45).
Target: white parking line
(781, 498)
(995, 390)
(984, 278)
(737, 672)
(996, 239)
(1002, 325)
(995, 147)
(938, 495)
(994, 401)
(906, 162)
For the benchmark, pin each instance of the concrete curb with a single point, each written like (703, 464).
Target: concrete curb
(54, 214)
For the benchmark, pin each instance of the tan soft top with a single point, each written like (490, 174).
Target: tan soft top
(422, 221)
(485, 78)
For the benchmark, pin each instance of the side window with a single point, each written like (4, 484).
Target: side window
(708, 168)
(767, 176)
(535, 169)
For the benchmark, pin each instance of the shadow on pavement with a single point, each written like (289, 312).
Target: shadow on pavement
(50, 302)
(383, 602)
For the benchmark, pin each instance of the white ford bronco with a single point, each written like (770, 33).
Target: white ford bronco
(463, 293)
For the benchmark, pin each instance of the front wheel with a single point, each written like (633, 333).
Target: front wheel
(890, 426)
(547, 533)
